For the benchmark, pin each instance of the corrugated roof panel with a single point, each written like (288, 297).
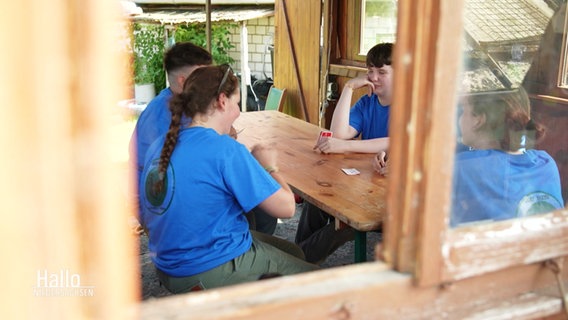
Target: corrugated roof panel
(504, 20)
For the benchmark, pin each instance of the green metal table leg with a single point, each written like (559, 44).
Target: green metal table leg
(360, 246)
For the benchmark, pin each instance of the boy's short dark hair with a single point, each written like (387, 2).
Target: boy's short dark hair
(380, 55)
(184, 54)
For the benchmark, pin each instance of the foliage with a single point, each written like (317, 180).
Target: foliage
(515, 70)
(220, 39)
(148, 49)
(380, 8)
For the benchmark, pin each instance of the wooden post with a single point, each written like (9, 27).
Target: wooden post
(66, 247)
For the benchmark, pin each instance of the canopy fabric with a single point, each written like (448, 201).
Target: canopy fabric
(198, 15)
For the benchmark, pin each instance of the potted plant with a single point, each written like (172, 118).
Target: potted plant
(148, 51)
(144, 88)
(148, 47)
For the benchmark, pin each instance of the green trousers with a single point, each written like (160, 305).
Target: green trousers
(262, 258)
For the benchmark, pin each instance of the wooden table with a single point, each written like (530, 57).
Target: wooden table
(358, 201)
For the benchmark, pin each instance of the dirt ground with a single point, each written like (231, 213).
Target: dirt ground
(286, 229)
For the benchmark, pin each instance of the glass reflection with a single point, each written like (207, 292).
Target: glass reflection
(501, 176)
(506, 166)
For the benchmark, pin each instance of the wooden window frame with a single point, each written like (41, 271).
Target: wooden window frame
(79, 217)
(418, 238)
(350, 41)
(428, 268)
(351, 55)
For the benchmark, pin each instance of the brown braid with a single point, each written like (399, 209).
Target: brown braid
(508, 118)
(199, 90)
(168, 148)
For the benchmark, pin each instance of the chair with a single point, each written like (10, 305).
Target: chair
(275, 99)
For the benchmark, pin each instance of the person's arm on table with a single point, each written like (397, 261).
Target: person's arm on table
(333, 145)
(340, 120)
(280, 204)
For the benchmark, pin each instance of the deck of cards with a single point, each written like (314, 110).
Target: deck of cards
(324, 134)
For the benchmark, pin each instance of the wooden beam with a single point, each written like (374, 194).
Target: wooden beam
(64, 213)
(371, 291)
(346, 71)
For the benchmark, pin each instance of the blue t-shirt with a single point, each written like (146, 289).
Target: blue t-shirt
(370, 118)
(152, 124)
(494, 185)
(197, 223)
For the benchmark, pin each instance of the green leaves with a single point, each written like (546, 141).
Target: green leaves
(149, 45)
(148, 49)
(220, 39)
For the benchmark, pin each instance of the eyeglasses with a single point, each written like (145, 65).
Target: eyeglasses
(224, 78)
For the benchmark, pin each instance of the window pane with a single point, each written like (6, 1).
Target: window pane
(511, 154)
(501, 38)
(378, 23)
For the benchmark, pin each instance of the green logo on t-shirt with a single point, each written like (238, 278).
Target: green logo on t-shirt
(156, 189)
(158, 194)
(536, 203)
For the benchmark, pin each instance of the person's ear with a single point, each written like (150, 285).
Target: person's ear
(479, 120)
(180, 80)
(222, 101)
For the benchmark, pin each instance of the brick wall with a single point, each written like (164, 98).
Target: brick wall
(260, 35)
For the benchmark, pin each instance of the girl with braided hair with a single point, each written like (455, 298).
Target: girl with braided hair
(197, 184)
(501, 176)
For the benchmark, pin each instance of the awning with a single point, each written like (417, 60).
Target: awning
(198, 15)
(213, 2)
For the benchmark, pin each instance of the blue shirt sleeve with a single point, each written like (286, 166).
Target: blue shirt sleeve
(247, 179)
(356, 118)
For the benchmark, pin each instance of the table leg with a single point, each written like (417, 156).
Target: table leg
(360, 246)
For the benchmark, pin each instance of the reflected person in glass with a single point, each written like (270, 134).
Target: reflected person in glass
(502, 176)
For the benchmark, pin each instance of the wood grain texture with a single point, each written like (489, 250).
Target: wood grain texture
(305, 29)
(472, 251)
(63, 206)
(371, 291)
(356, 200)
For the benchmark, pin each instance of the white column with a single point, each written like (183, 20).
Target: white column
(245, 71)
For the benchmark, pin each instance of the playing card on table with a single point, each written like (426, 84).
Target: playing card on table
(350, 171)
